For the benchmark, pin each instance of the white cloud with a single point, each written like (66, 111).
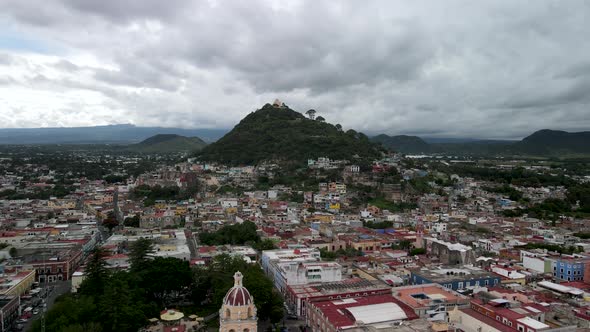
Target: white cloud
(459, 68)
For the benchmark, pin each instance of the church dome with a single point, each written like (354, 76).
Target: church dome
(238, 295)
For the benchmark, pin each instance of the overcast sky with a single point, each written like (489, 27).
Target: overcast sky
(488, 69)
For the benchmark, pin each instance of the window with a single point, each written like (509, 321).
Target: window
(487, 282)
(569, 272)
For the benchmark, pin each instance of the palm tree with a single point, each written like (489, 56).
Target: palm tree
(311, 114)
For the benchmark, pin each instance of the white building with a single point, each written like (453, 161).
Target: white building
(293, 273)
(439, 227)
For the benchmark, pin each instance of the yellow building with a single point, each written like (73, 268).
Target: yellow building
(61, 204)
(18, 283)
(238, 313)
(321, 217)
(181, 210)
(334, 206)
(231, 210)
(366, 245)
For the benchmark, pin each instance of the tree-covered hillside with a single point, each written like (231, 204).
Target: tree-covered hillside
(555, 142)
(163, 143)
(284, 135)
(403, 143)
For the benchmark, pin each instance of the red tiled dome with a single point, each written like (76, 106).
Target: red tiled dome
(237, 295)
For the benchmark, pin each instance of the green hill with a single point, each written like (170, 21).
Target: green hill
(284, 135)
(163, 143)
(403, 143)
(554, 142)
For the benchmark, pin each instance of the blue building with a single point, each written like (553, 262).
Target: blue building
(456, 278)
(569, 269)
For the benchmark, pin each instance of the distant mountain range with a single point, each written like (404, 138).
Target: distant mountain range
(112, 134)
(164, 143)
(544, 142)
(266, 134)
(278, 133)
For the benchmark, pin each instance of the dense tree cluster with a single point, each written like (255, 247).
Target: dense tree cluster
(57, 190)
(244, 233)
(213, 281)
(132, 221)
(384, 204)
(152, 194)
(549, 209)
(327, 255)
(378, 224)
(580, 194)
(517, 176)
(552, 247)
(124, 300)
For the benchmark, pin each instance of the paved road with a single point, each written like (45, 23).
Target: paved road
(54, 290)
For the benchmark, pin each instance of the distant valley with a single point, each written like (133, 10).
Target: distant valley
(112, 134)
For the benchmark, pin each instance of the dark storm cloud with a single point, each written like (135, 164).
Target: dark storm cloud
(462, 68)
(123, 11)
(309, 49)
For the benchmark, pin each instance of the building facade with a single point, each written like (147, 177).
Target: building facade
(238, 312)
(456, 278)
(569, 269)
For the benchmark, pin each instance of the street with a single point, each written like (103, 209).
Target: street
(54, 290)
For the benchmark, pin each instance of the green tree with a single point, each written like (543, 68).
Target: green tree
(71, 313)
(120, 310)
(132, 221)
(165, 279)
(243, 233)
(139, 253)
(96, 272)
(405, 244)
(212, 282)
(266, 244)
(110, 221)
(417, 251)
